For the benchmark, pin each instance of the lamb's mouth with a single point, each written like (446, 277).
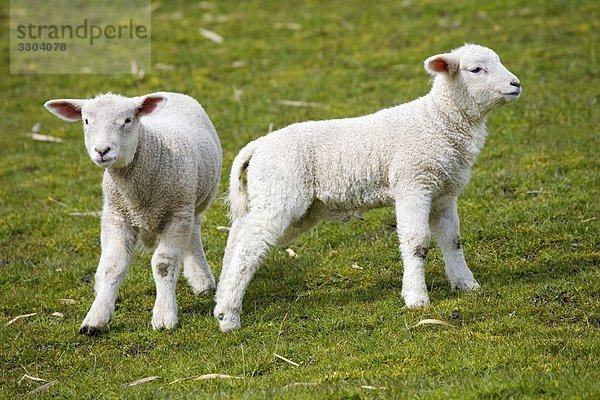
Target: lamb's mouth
(516, 93)
(104, 162)
(512, 96)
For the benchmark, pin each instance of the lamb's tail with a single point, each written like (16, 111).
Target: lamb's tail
(238, 197)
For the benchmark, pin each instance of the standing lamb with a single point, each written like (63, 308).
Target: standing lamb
(162, 161)
(416, 156)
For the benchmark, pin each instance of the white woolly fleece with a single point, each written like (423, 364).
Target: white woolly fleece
(162, 160)
(416, 156)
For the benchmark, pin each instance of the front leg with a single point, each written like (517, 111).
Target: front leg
(412, 213)
(118, 241)
(166, 260)
(446, 228)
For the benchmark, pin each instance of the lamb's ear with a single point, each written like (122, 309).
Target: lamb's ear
(150, 103)
(442, 64)
(66, 109)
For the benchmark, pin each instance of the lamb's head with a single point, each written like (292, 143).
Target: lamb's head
(474, 78)
(110, 124)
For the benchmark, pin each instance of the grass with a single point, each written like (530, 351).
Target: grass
(529, 216)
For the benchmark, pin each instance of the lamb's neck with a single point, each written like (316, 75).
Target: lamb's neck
(455, 111)
(465, 132)
(453, 103)
(140, 171)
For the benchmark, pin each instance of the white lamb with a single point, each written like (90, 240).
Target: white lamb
(162, 160)
(416, 156)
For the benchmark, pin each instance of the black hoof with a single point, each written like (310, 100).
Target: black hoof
(91, 331)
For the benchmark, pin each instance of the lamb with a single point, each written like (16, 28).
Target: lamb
(416, 156)
(162, 159)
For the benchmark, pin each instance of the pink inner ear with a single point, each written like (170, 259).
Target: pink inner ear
(149, 105)
(439, 65)
(66, 110)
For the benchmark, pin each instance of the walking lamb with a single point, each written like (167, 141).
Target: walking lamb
(162, 161)
(416, 156)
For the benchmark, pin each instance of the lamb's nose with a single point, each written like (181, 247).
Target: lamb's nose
(515, 83)
(102, 151)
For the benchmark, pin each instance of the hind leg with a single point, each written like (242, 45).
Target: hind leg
(195, 267)
(259, 231)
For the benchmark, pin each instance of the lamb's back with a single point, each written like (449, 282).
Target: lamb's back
(362, 160)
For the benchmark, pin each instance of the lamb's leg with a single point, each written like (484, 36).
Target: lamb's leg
(445, 226)
(117, 241)
(412, 213)
(195, 267)
(257, 235)
(165, 269)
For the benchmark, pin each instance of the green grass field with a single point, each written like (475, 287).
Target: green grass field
(530, 216)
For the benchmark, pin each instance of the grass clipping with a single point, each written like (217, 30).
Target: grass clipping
(206, 377)
(431, 321)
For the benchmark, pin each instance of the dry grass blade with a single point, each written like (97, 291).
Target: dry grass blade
(356, 266)
(18, 317)
(45, 386)
(292, 26)
(296, 384)
(369, 387)
(534, 192)
(58, 315)
(140, 381)
(87, 214)
(206, 5)
(212, 36)
(31, 378)
(135, 71)
(133, 68)
(206, 377)
(60, 203)
(68, 302)
(434, 322)
(287, 360)
(239, 64)
(37, 128)
(215, 376)
(295, 103)
(155, 6)
(164, 67)
(223, 228)
(45, 138)
(237, 94)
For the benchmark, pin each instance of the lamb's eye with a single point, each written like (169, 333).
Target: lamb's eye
(86, 121)
(128, 120)
(477, 70)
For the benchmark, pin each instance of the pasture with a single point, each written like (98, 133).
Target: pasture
(328, 322)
